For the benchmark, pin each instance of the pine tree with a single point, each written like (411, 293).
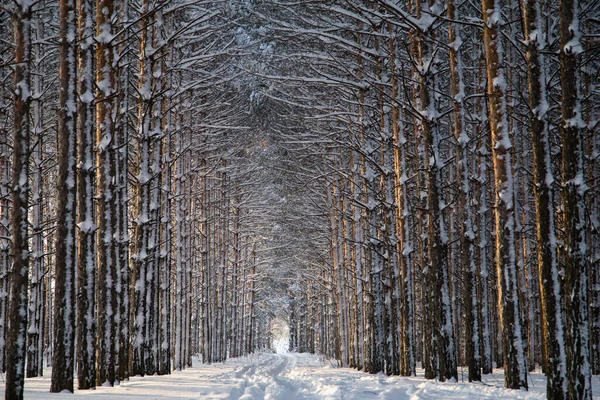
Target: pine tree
(63, 361)
(19, 276)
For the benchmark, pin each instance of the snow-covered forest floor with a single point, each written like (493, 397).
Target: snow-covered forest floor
(290, 376)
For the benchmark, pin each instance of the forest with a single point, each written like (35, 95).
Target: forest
(405, 184)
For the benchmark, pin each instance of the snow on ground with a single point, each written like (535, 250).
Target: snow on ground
(290, 376)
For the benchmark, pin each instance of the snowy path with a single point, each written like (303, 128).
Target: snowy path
(290, 377)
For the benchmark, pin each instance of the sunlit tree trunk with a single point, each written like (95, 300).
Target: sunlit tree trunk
(515, 376)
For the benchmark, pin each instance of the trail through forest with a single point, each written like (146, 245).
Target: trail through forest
(293, 376)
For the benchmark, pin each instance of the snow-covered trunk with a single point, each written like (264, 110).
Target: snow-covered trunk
(219, 267)
(348, 289)
(223, 261)
(251, 316)
(508, 291)
(594, 253)
(37, 272)
(122, 199)
(86, 238)
(48, 336)
(154, 246)
(19, 275)
(189, 229)
(212, 282)
(340, 347)
(106, 112)
(63, 357)
(403, 287)
(206, 278)
(591, 99)
(342, 278)
(5, 245)
(152, 272)
(357, 234)
(531, 313)
(423, 308)
(189, 254)
(406, 282)
(392, 284)
(373, 265)
(341, 343)
(468, 267)
(482, 173)
(551, 291)
(576, 267)
(142, 254)
(166, 233)
(179, 244)
(242, 331)
(437, 276)
(386, 228)
(233, 321)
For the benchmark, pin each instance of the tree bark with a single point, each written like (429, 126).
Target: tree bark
(19, 276)
(86, 239)
(515, 376)
(552, 303)
(573, 199)
(106, 160)
(63, 357)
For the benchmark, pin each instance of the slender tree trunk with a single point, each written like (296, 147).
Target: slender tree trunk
(87, 261)
(552, 303)
(574, 188)
(122, 136)
(438, 270)
(515, 375)
(5, 245)
(467, 233)
(63, 361)
(35, 321)
(106, 160)
(19, 276)
(143, 260)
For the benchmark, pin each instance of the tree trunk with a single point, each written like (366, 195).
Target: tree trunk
(552, 303)
(19, 276)
(467, 233)
(87, 261)
(106, 160)
(35, 331)
(515, 375)
(64, 284)
(438, 278)
(573, 199)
